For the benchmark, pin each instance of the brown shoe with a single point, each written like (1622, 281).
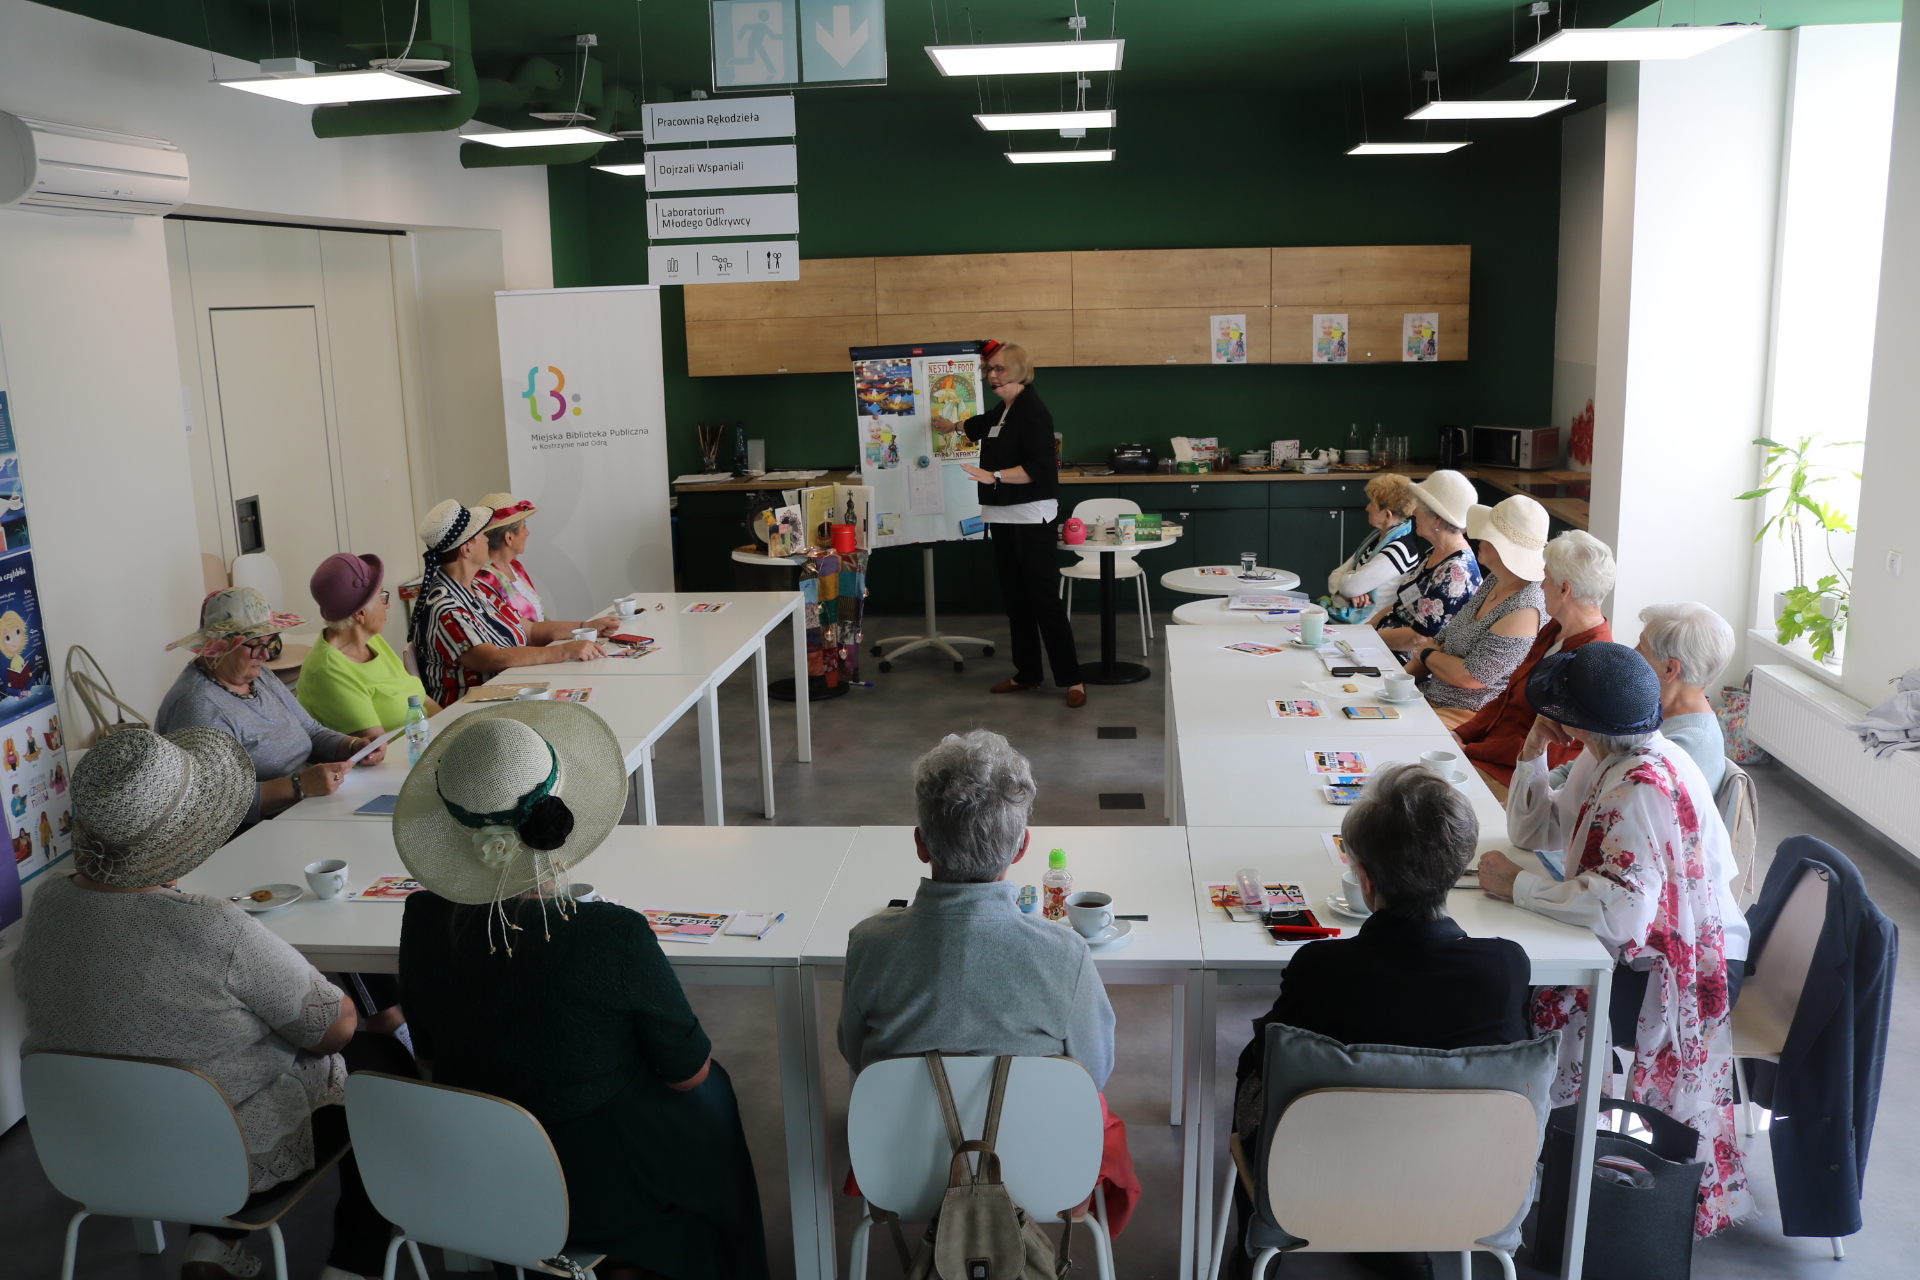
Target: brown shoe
(1077, 696)
(1013, 686)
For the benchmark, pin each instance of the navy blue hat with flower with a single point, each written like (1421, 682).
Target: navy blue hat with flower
(1600, 687)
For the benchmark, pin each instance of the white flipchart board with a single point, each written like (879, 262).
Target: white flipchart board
(585, 415)
(921, 493)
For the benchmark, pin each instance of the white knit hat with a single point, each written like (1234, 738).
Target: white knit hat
(1447, 494)
(1518, 530)
(508, 798)
(148, 809)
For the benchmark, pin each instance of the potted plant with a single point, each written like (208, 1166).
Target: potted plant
(1818, 612)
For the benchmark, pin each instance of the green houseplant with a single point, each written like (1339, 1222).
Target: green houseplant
(1818, 612)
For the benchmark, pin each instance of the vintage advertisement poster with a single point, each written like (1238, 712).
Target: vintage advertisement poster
(953, 390)
(1330, 338)
(1421, 336)
(1229, 339)
(909, 404)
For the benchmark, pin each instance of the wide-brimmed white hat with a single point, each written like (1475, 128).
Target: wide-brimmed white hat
(449, 524)
(236, 612)
(1518, 530)
(148, 809)
(508, 798)
(1447, 494)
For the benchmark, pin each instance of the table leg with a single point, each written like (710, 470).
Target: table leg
(1586, 1121)
(709, 716)
(802, 708)
(1176, 1061)
(1196, 1136)
(809, 1178)
(1110, 670)
(648, 814)
(766, 728)
(149, 1236)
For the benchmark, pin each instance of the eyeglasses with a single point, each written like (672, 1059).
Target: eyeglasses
(386, 597)
(996, 368)
(265, 647)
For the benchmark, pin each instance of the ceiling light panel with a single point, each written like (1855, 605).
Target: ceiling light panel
(340, 86)
(1406, 148)
(1046, 57)
(624, 170)
(1511, 109)
(1633, 44)
(1047, 120)
(570, 136)
(1058, 157)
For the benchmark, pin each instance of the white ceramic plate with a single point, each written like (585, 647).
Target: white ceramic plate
(284, 895)
(1119, 934)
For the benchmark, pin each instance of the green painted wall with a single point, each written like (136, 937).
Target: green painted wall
(881, 175)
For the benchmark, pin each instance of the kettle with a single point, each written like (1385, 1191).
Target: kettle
(1074, 531)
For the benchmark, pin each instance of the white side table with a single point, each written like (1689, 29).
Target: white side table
(1109, 670)
(1195, 583)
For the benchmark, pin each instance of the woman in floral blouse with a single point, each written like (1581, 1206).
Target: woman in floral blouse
(1449, 575)
(1650, 871)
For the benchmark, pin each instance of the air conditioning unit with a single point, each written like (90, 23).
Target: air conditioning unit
(65, 168)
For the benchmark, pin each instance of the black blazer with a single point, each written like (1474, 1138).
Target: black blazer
(1827, 1085)
(1025, 440)
(1420, 983)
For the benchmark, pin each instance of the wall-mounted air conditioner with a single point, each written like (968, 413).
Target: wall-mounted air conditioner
(65, 168)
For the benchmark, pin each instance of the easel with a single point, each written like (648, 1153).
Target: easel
(932, 639)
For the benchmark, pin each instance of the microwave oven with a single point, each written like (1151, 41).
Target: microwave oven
(1523, 448)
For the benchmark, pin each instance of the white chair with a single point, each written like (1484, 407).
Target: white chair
(1738, 801)
(466, 1171)
(1051, 1137)
(1087, 567)
(1416, 1171)
(151, 1141)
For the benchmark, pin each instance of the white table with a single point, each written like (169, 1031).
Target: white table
(1242, 954)
(1109, 670)
(1263, 782)
(1214, 691)
(738, 868)
(1213, 611)
(638, 712)
(1191, 581)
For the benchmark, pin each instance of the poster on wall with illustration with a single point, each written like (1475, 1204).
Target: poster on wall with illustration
(33, 759)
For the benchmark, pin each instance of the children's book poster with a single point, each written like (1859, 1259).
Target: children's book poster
(1229, 334)
(1330, 338)
(1420, 333)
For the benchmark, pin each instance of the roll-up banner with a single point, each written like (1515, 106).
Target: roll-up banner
(585, 416)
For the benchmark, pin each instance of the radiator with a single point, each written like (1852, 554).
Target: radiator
(1803, 723)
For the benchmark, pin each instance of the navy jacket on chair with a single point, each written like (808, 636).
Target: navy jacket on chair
(1827, 1086)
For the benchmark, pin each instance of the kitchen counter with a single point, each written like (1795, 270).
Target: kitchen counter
(1565, 494)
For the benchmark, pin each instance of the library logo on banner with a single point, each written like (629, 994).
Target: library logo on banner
(723, 263)
(562, 399)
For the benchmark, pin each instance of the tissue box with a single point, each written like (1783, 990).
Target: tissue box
(1193, 468)
(1146, 528)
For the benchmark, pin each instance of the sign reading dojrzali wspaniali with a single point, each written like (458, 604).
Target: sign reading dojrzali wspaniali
(720, 121)
(729, 263)
(701, 217)
(703, 168)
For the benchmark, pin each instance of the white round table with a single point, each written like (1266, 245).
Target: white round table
(1195, 583)
(1109, 670)
(1214, 611)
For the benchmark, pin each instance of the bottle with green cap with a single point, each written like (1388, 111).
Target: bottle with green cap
(1055, 885)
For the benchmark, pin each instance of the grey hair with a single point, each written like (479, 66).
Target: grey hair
(1606, 745)
(1691, 632)
(1415, 834)
(1441, 523)
(973, 792)
(1584, 563)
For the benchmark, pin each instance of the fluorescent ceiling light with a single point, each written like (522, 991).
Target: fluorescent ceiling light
(568, 136)
(1058, 157)
(1026, 59)
(624, 170)
(1047, 120)
(340, 86)
(1405, 148)
(1633, 44)
(1510, 109)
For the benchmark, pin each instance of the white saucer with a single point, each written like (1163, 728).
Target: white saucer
(1384, 696)
(284, 895)
(1298, 643)
(1338, 905)
(1114, 937)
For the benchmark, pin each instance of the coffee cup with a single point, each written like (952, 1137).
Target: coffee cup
(583, 892)
(585, 633)
(1350, 890)
(1441, 762)
(1313, 624)
(1090, 912)
(627, 607)
(327, 878)
(1401, 687)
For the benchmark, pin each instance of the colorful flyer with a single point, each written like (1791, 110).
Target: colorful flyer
(953, 390)
(884, 387)
(1344, 793)
(718, 606)
(1420, 333)
(1280, 897)
(387, 889)
(1213, 571)
(1295, 709)
(573, 695)
(1229, 339)
(1329, 764)
(1330, 339)
(1259, 650)
(685, 926)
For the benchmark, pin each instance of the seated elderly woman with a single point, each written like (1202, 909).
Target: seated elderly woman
(568, 1008)
(1580, 570)
(1371, 575)
(352, 681)
(1468, 663)
(294, 755)
(504, 579)
(1688, 645)
(1448, 577)
(1650, 870)
(114, 961)
(961, 970)
(459, 636)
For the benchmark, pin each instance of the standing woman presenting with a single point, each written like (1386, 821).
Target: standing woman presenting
(1019, 490)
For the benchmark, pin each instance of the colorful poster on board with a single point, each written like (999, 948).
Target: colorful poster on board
(1420, 333)
(1330, 338)
(1229, 334)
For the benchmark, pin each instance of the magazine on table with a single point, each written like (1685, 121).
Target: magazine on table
(670, 925)
(1280, 897)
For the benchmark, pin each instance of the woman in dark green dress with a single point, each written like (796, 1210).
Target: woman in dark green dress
(568, 1009)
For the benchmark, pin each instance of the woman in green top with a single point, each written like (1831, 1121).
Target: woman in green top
(567, 1008)
(353, 677)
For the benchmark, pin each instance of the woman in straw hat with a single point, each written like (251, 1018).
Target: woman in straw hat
(503, 577)
(1467, 664)
(569, 1009)
(294, 755)
(115, 961)
(1449, 575)
(459, 634)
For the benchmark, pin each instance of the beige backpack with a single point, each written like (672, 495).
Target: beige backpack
(979, 1232)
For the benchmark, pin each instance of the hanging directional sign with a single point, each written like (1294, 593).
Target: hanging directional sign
(843, 40)
(723, 263)
(704, 168)
(753, 44)
(709, 121)
(703, 217)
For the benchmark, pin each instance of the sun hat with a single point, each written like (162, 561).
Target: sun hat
(344, 584)
(1518, 529)
(1447, 494)
(1601, 687)
(148, 809)
(447, 526)
(506, 510)
(237, 613)
(508, 798)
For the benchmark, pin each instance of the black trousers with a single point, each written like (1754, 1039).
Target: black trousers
(1036, 616)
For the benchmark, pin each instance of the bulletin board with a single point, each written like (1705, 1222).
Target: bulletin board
(905, 399)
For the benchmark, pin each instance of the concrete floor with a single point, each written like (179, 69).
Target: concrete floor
(861, 775)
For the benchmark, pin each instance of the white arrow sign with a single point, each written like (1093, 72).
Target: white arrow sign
(841, 43)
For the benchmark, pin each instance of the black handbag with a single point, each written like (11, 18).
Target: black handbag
(1638, 1228)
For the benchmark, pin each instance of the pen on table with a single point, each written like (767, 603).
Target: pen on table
(1129, 917)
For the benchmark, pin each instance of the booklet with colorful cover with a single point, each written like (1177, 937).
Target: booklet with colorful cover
(1280, 897)
(685, 926)
(387, 889)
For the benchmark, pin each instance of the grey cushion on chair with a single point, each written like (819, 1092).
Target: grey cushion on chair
(1300, 1061)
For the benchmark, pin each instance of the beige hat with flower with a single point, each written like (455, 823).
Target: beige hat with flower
(236, 613)
(1517, 528)
(149, 808)
(507, 510)
(508, 798)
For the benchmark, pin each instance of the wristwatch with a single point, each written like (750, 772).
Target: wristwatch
(996, 477)
(299, 792)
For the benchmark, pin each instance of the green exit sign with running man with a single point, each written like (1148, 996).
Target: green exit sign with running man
(762, 44)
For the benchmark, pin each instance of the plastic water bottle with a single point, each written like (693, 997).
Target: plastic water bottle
(417, 732)
(1055, 885)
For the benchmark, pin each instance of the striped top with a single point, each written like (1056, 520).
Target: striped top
(457, 619)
